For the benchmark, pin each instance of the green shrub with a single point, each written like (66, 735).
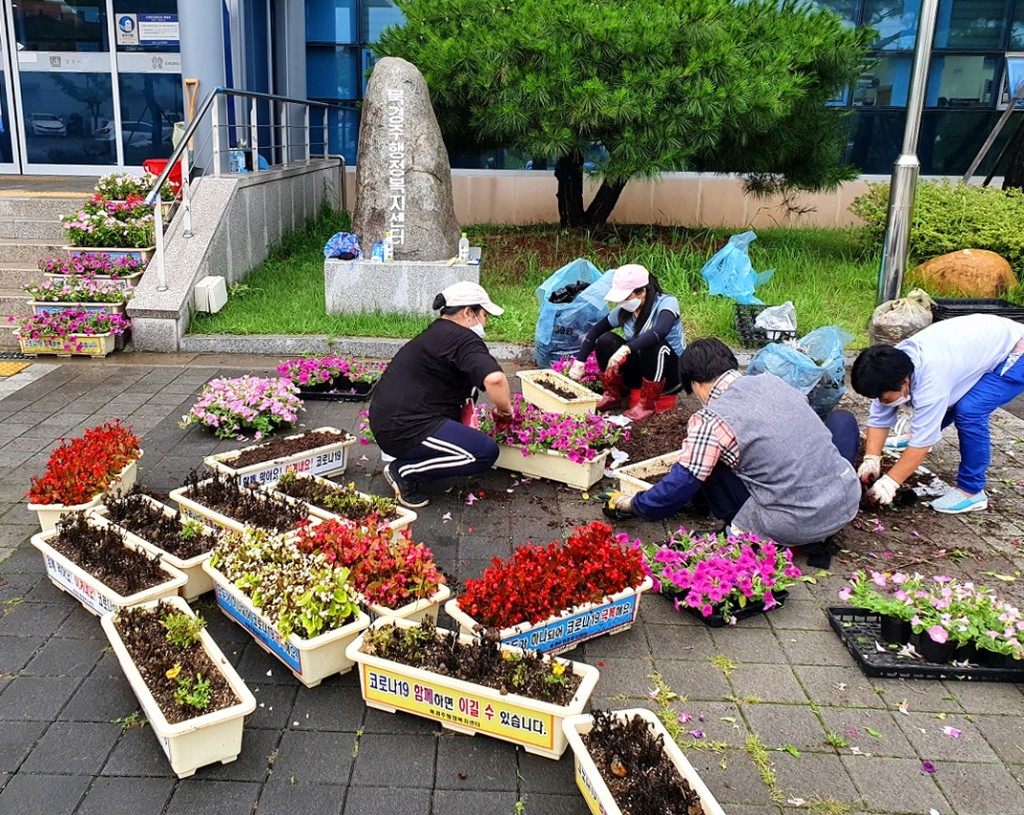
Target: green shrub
(948, 217)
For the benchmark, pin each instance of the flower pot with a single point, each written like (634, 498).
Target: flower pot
(310, 660)
(588, 778)
(97, 597)
(198, 582)
(338, 390)
(122, 281)
(895, 630)
(552, 465)
(204, 739)
(50, 306)
(716, 619)
(583, 402)
(143, 253)
(990, 659)
(49, 514)
(465, 706)
(327, 459)
(565, 631)
(633, 477)
(90, 345)
(939, 652)
(416, 611)
(196, 511)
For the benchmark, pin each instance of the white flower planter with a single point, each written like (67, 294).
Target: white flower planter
(310, 660)
(121, 281)
(143, 253)
(87, 345)
(632, 477)
(416, 611)
(568, 629)
(324, 460)
(97, 597)
(193, 510)
(588, 778)
(584, 402)
(56, 306)
(554, 466)
(198, 581)
(467, 707)
(205, 739)
(49, 514)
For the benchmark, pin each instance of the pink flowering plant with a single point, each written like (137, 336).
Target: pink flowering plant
(93, 265)
(87, 289)
(68, 326)
(234, 408)
(121, 186)
(341, 370)
(719, 573)
(591, 373)
(532, 430)
(118, 225)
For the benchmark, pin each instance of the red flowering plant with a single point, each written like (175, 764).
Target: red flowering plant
(82, 468)
(539, 582)
(385, 571)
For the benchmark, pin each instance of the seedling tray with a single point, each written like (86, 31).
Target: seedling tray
(324, 394)
(860, 630)
(717, 620)
(945, 309)
(751, 335)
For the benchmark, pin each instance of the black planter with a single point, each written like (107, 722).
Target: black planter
(990, 659)
(940, 652)
(894, 630)
(338, 390)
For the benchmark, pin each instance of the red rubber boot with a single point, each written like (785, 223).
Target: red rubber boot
(612, 381)
(644, 409)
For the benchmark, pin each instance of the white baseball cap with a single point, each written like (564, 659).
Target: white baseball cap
(465, 293)
(626, 280)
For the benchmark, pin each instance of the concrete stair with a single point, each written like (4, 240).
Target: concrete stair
(29, 230)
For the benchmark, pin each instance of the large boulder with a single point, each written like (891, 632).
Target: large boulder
(403, 179)
(966, 273)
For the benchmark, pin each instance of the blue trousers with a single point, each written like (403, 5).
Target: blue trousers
(971, 417)
(726, 493)
(453, 449)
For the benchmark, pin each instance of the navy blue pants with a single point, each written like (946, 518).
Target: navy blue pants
(726, 493)
(452, 449)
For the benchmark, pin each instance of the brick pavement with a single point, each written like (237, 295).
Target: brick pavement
(68, 746)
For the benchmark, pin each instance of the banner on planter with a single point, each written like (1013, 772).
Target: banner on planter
(561, 635)
(438, 701)
(261, 630)
(317, 464)
(78, 588)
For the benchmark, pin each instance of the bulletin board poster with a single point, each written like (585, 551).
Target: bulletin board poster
(158, 29)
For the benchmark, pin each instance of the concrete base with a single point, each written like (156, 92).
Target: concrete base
(402, 286)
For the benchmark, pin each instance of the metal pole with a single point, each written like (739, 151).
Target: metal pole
(282, 113)
(907, 167)
(305, 127)
(215, 127)
(158, 234)
(186, 194)
(327, 134)
(255, 135)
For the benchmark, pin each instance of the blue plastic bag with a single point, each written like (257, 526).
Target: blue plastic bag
(562, 327)
(814, 367)
(730, 273)
(343, 245)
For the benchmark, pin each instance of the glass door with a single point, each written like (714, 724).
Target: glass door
(62, 63)
(9, 161)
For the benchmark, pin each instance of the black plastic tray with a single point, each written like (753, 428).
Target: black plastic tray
(945, 309)
(337, 396)
(853, 624)
(751, 335)
(716, 620)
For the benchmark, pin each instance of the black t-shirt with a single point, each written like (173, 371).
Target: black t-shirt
(428, 381)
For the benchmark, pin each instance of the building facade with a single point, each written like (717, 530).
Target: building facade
(87, 86)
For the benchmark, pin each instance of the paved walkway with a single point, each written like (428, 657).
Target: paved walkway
(68, 743)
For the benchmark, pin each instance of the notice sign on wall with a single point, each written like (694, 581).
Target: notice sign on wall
(147, 29)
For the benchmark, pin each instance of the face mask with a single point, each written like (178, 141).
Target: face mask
(630, 305)
(478, 329)
(897, 402)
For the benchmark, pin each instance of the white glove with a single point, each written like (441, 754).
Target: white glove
(883, 491)
(870, 468)
(618, 357)
(576, 370)
(622, 502)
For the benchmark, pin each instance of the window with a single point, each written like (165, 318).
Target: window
(896, 22)
(332, 21)
(332, 72)
(961, 81)
(885, 85)
(969, 24)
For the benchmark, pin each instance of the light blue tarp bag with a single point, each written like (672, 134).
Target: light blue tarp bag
(730, 273)
(817, 371)
(562, 327)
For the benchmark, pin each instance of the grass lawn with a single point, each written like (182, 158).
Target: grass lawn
(823, 271)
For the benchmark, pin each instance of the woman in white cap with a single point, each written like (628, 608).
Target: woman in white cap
(648, 357)
(416, 409)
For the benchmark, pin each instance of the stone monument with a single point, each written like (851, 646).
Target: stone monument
(403, 185)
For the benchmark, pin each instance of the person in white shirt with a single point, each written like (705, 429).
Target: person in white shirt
(955, 372)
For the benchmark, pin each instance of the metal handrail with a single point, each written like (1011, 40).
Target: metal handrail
(181, 154)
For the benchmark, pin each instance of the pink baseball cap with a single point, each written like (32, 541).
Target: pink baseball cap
(626, 280)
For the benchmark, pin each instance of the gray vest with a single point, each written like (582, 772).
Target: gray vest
(801, 489)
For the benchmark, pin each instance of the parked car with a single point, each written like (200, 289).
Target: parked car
(46, 124)
(133, 134)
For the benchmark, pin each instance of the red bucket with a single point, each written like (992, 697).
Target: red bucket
(664, 403)
(156, 166)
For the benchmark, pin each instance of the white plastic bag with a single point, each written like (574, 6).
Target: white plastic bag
(895, 320)
(777, 321)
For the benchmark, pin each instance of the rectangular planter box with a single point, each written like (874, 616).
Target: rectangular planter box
(122, 281)
(335, 391)
(198, 581)
(467, 707)
(49, 514)
(205, 739)
(416, 611)
(324, 460)
(310, 660)
(166, 208)
(588, 778)
(49, 307)
(92, 345)
(633, 477)
(90, 592)
(143, 253)
(585, 402)
(195, 511)
(570, 628)
(554, 466)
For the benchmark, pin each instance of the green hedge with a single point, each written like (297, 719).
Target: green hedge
(948, 217)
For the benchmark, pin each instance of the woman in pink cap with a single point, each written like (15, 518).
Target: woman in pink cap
(648, 356)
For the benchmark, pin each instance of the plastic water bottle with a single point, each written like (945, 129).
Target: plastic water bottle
(463, 249)
(236, 161)
(389, 247)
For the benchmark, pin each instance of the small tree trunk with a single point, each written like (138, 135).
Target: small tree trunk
(569, 174)
(604, 202)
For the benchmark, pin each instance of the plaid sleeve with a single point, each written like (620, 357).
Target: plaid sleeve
(708, 441)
